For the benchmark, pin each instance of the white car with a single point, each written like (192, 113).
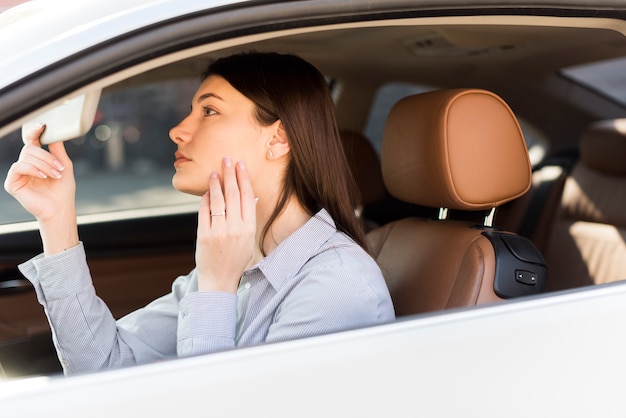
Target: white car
(532, 324)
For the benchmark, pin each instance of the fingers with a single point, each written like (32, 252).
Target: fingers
(33, 136)
(236, 199)
(204, 214)
(217, 205)
(57, 149)
(226, 229)
(37, 162)
(248, 200)
(43, 166)
(231, 190)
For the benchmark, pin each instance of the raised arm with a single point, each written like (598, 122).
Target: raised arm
(43, 182)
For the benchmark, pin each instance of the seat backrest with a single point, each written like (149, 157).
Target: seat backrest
(460, 150)
(587, 240)
(532, 214)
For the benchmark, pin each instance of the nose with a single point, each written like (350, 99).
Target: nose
(179, 133)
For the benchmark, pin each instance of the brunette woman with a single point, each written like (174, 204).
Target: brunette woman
(280, 254)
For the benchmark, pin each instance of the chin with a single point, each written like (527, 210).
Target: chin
(185, 187)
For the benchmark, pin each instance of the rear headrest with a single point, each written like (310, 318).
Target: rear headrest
(459, 149)
(603, 147)
(365, 166)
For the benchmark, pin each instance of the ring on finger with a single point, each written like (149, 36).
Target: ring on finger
(222, 213)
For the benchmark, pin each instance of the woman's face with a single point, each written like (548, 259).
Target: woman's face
(221, 123)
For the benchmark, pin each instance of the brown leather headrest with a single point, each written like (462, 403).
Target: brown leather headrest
(603, 147)
(365, 166)
(459, 149)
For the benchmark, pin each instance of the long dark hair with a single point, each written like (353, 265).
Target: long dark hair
(286, 87)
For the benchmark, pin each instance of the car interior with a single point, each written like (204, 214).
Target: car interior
(435, 146)
(458, 210)
(585, 244)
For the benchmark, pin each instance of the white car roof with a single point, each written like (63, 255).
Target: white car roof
(38, 33)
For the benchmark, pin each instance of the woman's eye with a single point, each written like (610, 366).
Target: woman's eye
(207, 111)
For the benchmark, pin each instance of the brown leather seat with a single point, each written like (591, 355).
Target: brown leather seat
(459, 150)
(587, 242)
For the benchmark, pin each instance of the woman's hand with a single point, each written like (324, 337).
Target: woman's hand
(226, 229)
(43, 183)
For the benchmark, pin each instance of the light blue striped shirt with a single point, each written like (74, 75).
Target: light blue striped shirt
(315, 282)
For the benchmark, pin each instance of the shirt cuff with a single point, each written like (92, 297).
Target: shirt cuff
(59, 275)
(207, 322)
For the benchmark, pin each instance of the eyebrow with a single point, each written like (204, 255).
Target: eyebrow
(207, 95)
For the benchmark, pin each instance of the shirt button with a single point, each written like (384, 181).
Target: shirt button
(247, 286)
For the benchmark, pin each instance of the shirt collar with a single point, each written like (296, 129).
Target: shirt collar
(291, 254)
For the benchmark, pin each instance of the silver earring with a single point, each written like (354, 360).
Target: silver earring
(271, 154)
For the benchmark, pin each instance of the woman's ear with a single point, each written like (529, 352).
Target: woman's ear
(278, 145)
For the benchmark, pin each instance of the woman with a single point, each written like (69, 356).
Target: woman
(279, 252)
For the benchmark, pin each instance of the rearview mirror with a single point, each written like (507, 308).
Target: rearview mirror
(71, 119)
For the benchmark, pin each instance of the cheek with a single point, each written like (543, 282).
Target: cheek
(209, 150)
(239, 138)
(244, 143)
(208, 162)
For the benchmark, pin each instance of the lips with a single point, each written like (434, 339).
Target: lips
(180, 158)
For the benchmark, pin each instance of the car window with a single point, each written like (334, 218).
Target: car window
(385, 98)
(125, 161)
(390, 93)
(607, 78)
